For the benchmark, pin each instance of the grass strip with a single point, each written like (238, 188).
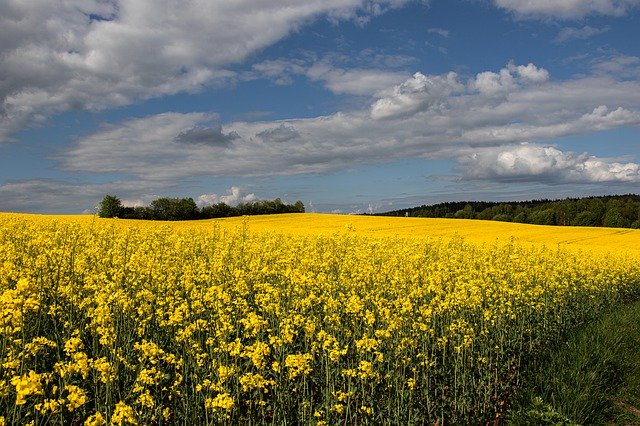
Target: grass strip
(592, 379)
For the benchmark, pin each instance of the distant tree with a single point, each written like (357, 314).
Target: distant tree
(174, 209)
(608, 210)
(186, 209)
(520, 217)
(110, 206)
(142, 212)
(586, 218)
(503, 208)
(543, 217)
(502, 217)
(565, 211)
(217, 210)
(465, 213)
(614, 219)
(485, 214)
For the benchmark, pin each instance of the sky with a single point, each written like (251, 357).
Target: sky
(350, 106)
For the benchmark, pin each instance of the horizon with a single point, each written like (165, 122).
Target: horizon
(350, 106)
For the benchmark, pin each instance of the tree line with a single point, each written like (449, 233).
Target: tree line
(187, 209)
(616, 211)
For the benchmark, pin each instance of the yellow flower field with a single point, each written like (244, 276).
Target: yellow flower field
(291, 319)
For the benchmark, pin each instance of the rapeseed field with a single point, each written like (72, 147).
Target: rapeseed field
(291, 319)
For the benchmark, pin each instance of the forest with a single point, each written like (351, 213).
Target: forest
(616, 211)
(187, 209)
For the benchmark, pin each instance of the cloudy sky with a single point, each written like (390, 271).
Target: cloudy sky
(347, 105)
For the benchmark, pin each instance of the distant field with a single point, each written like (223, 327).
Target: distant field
(289, 319)
(599, 239)
(478, 231)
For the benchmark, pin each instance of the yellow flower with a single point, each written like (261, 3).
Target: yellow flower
(250, 381)
(365, 371)
(123, 414)
(411, 383)
(73, 345)
(146, 400)
(76, 397)
(95, 420)
(26, 385)
(222, 400)
(367, 410)
(166, 414)
(106, 370)
(299, 364)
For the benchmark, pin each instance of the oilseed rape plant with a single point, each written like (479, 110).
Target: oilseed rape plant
(238, 322)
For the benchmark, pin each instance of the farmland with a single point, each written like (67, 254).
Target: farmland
(289, 319)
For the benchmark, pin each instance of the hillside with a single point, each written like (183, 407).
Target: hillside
(615, 211)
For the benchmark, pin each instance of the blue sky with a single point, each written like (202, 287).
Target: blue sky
(348, 105)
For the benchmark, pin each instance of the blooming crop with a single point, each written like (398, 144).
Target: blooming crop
(233, 322)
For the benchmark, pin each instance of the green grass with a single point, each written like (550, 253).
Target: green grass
(593, 378)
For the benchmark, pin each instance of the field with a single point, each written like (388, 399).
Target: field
(289, 319)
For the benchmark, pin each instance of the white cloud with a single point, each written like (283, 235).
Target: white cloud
(279, 134)
(532, 74)
(567, 9)
(428, 116)
(546, 164)
(441, 32)
(621, 66)
(572, 33)
(233, 197)
(338, 79)
(53, 196)
(95, 54)
(508, 79)
(599, 119)
(415, 94)
(281, 71)
(354, 81)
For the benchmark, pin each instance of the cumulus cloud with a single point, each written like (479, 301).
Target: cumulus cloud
(601, 118)
(415, 94)
(572, 33)
(567, 9)
(279, 134)
(428, 116)
(546, 164)
(212, 136)
(144, 141)
(233, 197)
(95, 54)
(424, 92)
(508, 79)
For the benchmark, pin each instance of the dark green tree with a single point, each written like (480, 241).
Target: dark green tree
(543, 217)
(217, 210)
(614, 219)
(502, 217)
(586, 218)
(465, 213)
(174, 209)
(110, 206)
